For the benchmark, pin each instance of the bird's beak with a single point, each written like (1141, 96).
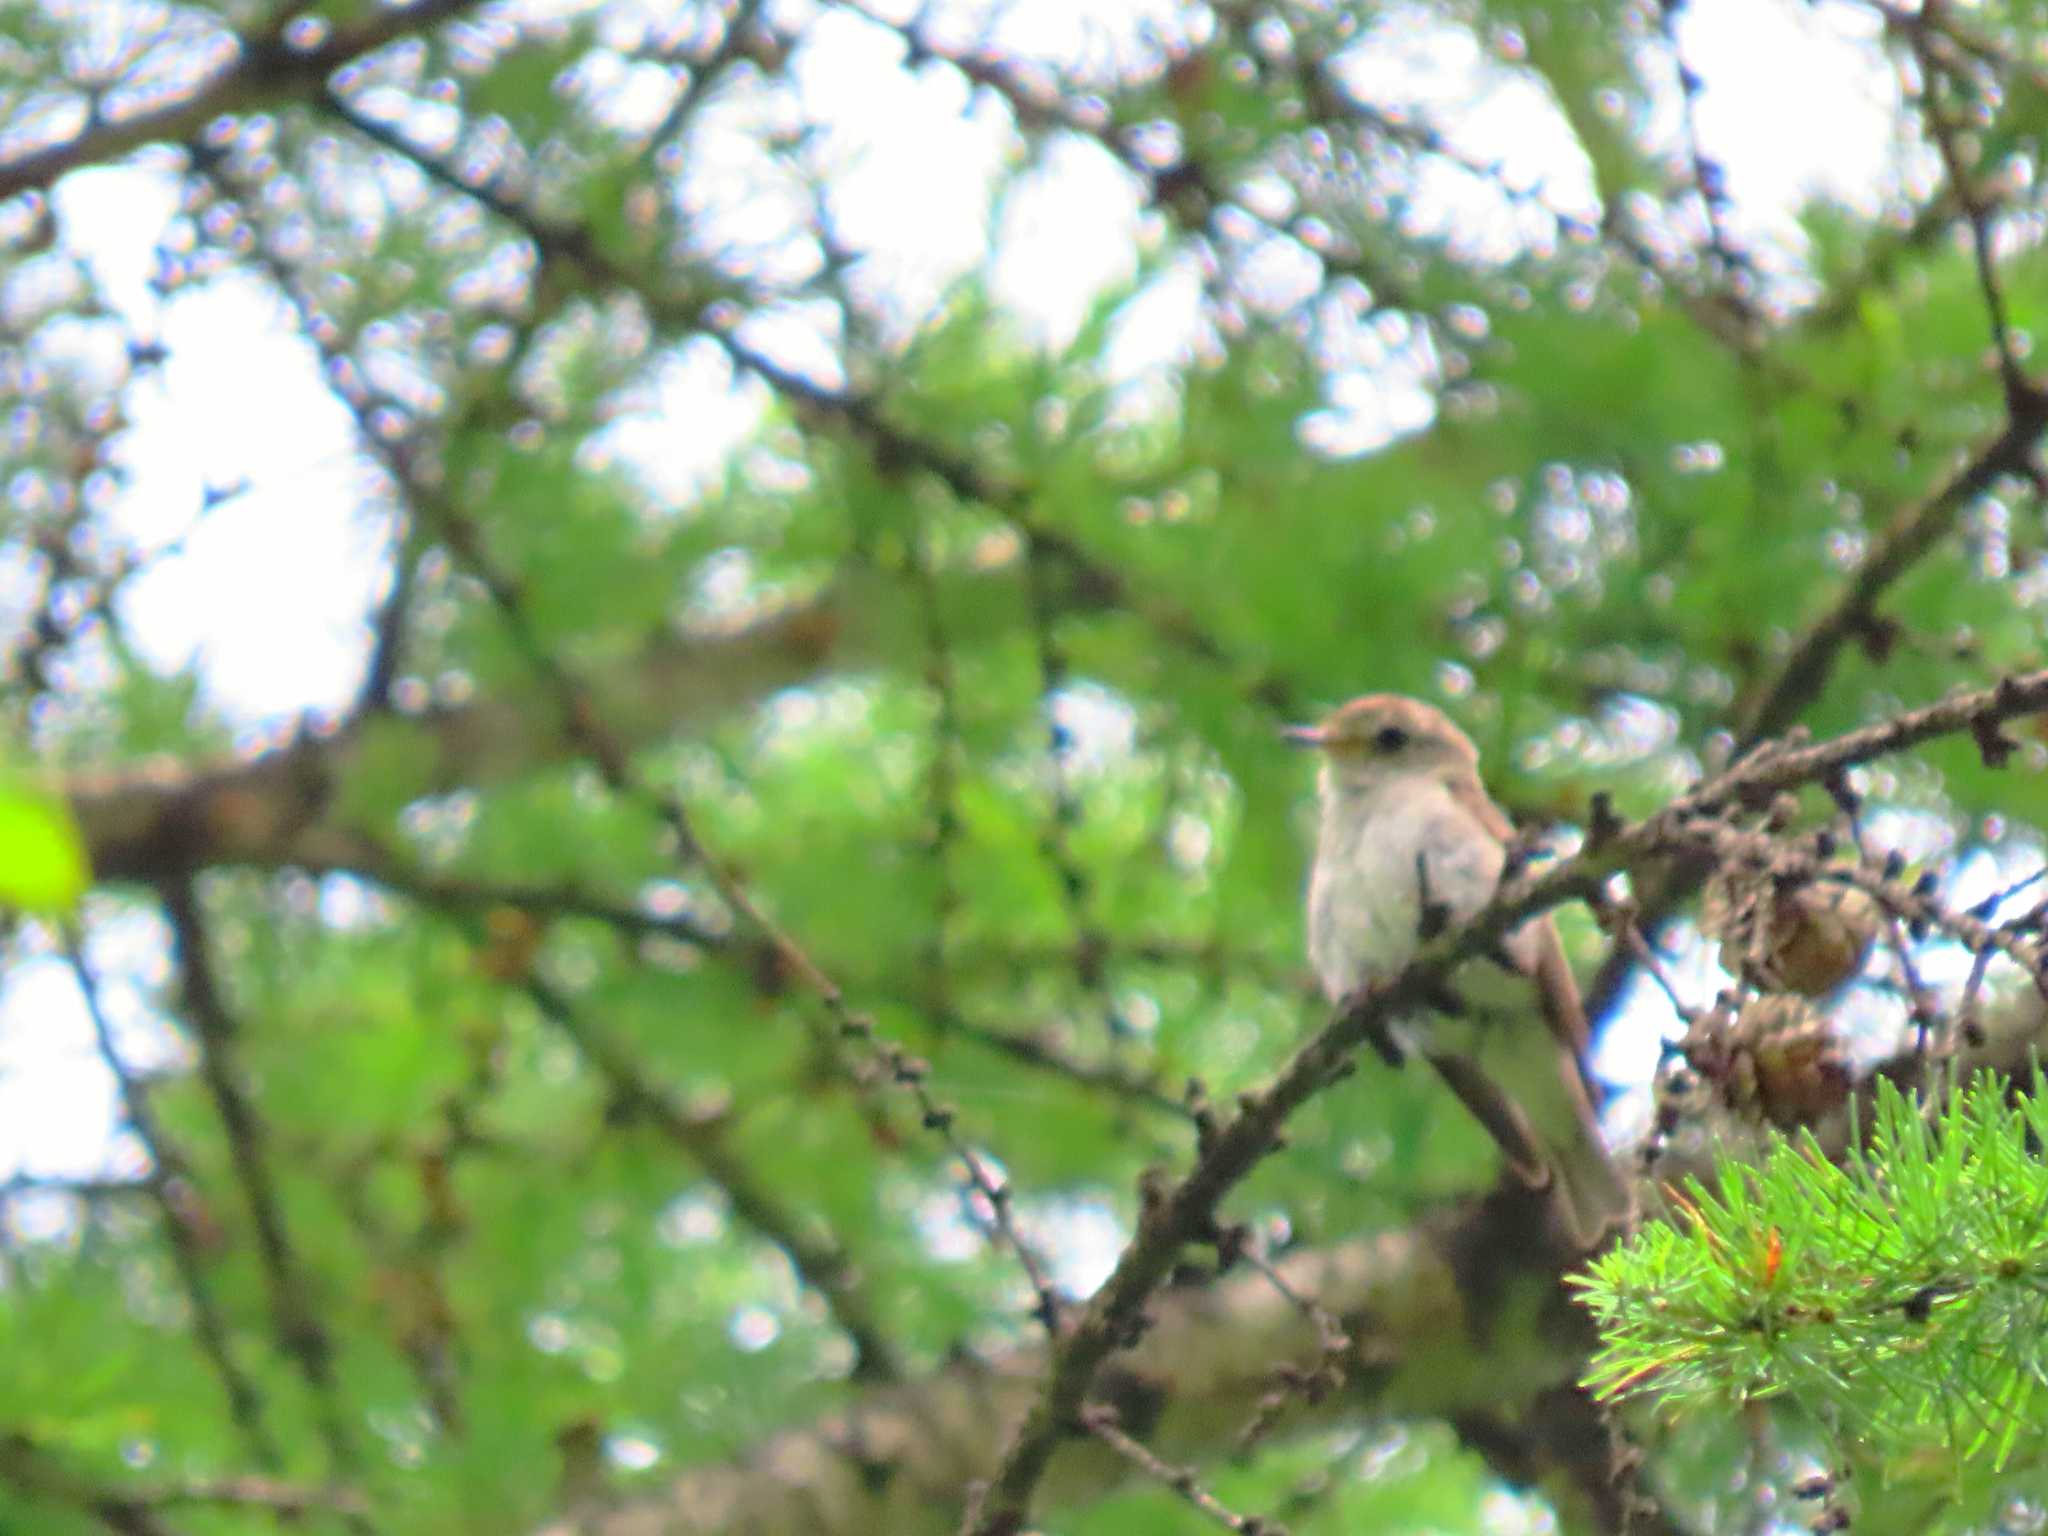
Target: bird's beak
(1304, 736)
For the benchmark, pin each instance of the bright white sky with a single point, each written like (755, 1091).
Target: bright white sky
(267, 597)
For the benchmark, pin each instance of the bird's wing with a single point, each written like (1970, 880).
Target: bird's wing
(1478, 804)
(1596, 1195)
(1534, 947)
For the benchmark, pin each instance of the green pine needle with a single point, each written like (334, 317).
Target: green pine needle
(1902, 1294)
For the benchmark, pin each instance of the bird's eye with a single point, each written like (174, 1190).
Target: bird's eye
(1390, 738)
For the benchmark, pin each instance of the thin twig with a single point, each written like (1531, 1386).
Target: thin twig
(457, 893)
(263, 69)
(300, 1335)
(1737, 846)
(1100, 1420)
(388, 624)
(543, 899)
(862, 417)
(1334, 1350)
(942, 776)
(1710, 178)
(1911, 534)
(820, 1262)
(2021, 394)
(1056, 836)
(131, 1508)
(583, 725)
(1038, 1051)
(170, 1186)
(731, 45)
(1918, 1004)
(1648, 958)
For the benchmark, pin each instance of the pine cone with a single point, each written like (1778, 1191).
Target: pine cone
(1807, 939)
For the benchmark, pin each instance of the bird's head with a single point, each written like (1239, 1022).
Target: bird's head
(1382, 737)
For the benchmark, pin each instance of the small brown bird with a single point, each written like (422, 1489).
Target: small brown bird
(1408, 831)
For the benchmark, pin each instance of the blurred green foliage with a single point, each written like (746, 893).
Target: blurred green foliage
(1029, 808)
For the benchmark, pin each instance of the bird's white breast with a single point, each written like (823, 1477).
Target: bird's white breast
(1364, 895)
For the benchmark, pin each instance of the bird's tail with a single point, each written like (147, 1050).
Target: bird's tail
(1546, 1126)
(1594, 1195)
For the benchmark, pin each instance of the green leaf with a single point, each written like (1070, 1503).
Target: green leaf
(43, 863)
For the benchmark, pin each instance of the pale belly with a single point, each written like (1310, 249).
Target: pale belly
(1365, 905)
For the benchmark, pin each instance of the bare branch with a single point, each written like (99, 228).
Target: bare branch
(1055, 841)
(24, 1464)
(1100, 1420)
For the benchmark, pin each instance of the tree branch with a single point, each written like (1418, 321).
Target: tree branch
(1094, 583)
(130, 1508)
(265, 72)
(300, 1336)
(820, 1261)
(1419, 1307)
(1910, 535)
(180, 1210)
(1102, 1422)
(150, 822)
